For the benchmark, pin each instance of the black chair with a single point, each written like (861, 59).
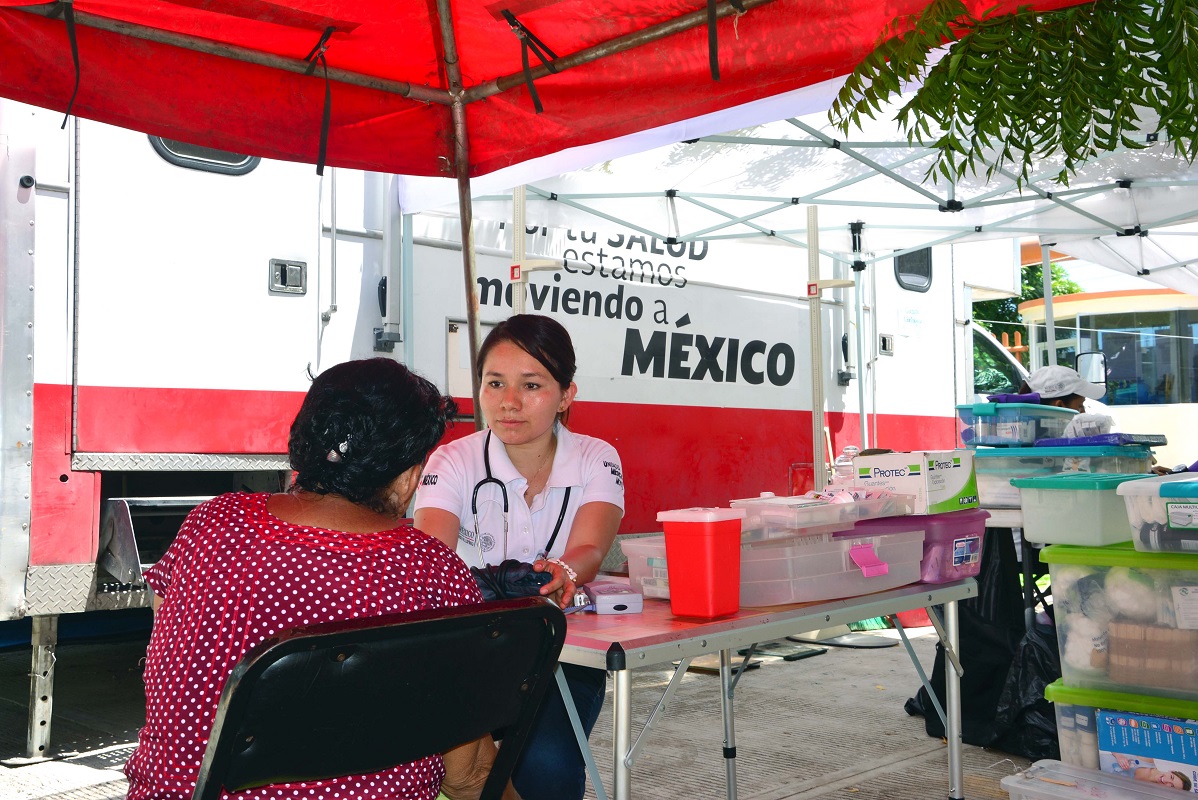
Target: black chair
(360, 696)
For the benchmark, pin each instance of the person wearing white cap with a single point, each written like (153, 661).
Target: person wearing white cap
(1063, 387)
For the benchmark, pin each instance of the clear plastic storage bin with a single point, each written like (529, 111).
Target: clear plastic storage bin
(952, 543)
(647, 565)
(1163, 512)
(1126, 621)
(1076, 708)
(1052, 780)
(770, 517)
(996, 466)
(827, 566)
(1011, 424)
(1074, 508)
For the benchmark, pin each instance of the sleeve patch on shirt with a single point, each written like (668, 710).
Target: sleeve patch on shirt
(615, 472)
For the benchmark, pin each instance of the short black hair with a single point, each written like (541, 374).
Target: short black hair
(362, 425)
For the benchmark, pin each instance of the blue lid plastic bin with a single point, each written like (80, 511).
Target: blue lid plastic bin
(1011, 424)
(1074, 508)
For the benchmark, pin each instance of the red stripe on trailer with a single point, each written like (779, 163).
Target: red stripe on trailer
(122, 419)
(674, 456)
(65, 505)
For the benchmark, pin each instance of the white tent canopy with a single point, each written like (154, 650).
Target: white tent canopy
(1126, 210)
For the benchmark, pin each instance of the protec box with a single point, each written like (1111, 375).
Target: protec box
(938, 480)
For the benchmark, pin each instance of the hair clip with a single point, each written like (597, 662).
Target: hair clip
(336, 455)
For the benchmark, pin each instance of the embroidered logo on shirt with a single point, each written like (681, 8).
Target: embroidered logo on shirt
(615, 472)
(429, 480)
(466, 535)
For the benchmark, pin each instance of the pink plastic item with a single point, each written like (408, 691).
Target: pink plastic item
(952, 543)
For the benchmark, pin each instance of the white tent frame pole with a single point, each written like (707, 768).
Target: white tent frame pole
(1050, 330)
(818, 454)
(859, 312)
(518, 247)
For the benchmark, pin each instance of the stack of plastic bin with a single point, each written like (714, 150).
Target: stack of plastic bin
(1127, 629)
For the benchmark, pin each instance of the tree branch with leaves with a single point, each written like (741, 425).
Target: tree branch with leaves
(1014, 89)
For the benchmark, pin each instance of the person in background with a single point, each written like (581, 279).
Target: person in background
(1062, 387)
(246, 566)
(529, 489)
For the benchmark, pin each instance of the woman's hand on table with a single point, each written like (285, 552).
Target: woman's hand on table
(561, 588)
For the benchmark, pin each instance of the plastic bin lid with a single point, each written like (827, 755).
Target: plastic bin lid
(1180, 485)
(1118, 555)
(1071, 481)
(1053, 780)
(1079, 451)
(992, 409)
(700, 514)
(1058, 692)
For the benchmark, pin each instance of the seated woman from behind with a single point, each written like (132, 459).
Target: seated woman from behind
(246, 566)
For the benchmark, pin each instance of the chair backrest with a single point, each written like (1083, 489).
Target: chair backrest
(361, 696)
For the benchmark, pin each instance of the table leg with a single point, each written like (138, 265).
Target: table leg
(622, 733)
(728, 713)
(952, 692)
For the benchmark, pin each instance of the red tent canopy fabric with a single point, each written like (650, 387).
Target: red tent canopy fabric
(200, 88)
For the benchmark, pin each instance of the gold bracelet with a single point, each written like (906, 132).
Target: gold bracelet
(570, 573)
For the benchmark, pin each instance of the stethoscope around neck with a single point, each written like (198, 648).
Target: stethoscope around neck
(489, 478)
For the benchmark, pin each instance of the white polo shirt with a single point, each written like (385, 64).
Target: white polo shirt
(588, 467)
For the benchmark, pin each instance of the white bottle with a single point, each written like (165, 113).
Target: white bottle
(842, 468)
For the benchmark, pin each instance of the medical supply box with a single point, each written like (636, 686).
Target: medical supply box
(938, 480)
(826, 566)
(1126, 621)
(1074, 508)
(1052, 780)
(996, 466)
(769, 516)
(1011, 424)
(1077, 711)
(1149, 748)
(647, 571)
(952, 543)
(1162, 512)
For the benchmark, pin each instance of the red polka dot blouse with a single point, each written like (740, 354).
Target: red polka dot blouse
(235, 575)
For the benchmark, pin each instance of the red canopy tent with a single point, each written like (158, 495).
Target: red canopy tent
(426, 88)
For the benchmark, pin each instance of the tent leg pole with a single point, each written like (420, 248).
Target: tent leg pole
(461, 165)
(1050, 328)
(818, 455)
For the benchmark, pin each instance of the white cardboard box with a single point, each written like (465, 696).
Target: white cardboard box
(939, 480)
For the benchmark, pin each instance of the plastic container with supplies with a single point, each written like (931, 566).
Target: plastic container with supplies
(647, 572)
(703, 560)
(952, 543)
(826, 566)
(1074, 508)
(1052, 780)
(1076, 709)
(1126, 621)
(768, 517)
(1163, 512)
(996, 466)
(1011, 424)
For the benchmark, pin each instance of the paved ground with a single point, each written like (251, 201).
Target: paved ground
(830, 726)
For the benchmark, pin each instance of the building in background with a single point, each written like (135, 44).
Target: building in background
(1150, 340)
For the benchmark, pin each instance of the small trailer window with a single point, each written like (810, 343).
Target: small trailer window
(206, 159)
(913, 270)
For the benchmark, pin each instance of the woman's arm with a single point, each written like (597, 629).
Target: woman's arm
(439, 523)
(466, 769)
(591, 536)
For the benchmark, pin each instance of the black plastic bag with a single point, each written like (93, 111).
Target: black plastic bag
(1026, 723)
(509, 579)
(990, 627)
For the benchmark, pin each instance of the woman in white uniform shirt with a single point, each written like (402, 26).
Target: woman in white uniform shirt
(529, 489)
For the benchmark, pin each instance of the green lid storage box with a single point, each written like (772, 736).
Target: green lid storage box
(1074, 508)
(1011, 424)
(1076, 709)
(1126, 621)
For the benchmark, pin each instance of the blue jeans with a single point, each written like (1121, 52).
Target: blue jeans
(551, 766)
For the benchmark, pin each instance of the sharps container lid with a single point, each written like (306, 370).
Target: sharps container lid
(700, 514)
